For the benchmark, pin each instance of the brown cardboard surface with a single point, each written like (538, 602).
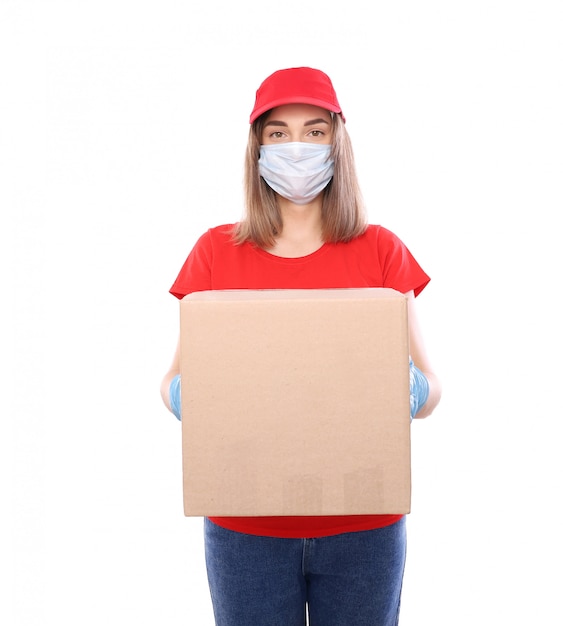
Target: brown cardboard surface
(295, 402)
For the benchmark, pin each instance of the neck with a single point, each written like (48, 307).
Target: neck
(302, 229)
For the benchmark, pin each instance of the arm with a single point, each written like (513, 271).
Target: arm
(172, 372)
(195, 275)
(421, 360)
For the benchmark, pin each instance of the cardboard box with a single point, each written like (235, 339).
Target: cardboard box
(295, 402)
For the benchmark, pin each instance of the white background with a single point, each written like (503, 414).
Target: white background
(122, 131)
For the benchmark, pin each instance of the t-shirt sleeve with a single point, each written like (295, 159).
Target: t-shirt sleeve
(400, 269)
(195, 274)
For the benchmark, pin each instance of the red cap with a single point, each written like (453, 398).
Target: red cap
(296, 85)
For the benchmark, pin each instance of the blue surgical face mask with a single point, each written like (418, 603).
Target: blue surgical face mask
(297, 171)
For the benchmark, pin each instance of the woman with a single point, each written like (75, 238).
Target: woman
(305, 228)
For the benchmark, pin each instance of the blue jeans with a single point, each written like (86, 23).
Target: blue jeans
(351, 578)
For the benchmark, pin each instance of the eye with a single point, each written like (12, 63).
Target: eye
(275, 135)
(316, 133)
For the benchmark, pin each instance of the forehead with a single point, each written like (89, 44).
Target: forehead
(297, 112)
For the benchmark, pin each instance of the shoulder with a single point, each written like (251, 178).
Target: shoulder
(376, 231)
(221, 233)
(215, 237)
(386, 246)
(377, 237)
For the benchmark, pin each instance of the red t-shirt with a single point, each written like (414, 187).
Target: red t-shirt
(378, 258)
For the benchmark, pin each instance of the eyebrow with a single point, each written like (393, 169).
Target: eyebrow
(318, 120)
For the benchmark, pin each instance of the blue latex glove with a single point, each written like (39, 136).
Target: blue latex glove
(418, 388)
(175, 397)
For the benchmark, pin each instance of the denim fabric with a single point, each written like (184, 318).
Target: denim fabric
(351, 578)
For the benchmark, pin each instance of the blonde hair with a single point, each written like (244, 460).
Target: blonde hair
(342, 213)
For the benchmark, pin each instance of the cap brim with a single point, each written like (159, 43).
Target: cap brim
(294, 100)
